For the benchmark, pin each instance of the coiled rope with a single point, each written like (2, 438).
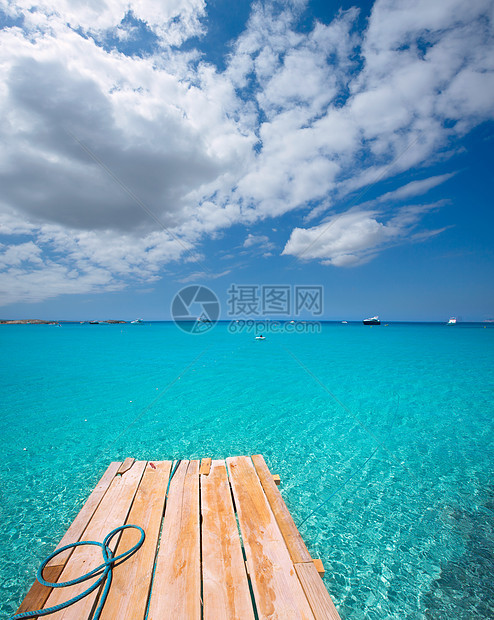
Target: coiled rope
(103, 570)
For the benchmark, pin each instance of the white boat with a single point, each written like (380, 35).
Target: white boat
(344, 322)
(452, 321)
(136, 321)
(372, 321)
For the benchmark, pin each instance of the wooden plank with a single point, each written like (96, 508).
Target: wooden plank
(38, 594)
(315, 590)
(176, 590)
(277, 479)
(111, 513)
(79, 524)
(319, 566)
(205, 467)
(226, 594)
(291, 535)
(277, 590)
(126, 465)
(128, 595)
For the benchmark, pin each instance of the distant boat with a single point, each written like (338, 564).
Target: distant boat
(372, 321)
(93, 322)
(344, 322)
(452, 321)
(136, 321)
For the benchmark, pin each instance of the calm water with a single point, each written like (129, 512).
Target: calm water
(409, 536)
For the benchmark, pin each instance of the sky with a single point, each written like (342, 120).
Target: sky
(149, 146)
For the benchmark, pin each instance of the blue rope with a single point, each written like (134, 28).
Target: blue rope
(104, 570)
(171, 476)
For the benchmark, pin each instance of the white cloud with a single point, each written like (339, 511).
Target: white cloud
(172, 20)
(355, 237)
(52, 280)
(259, 242)
(255, 240)
(201, 276)
(167, 135)
(343, 241)
(15, 255)
(416, 188)
(57, 258)
(93, 138)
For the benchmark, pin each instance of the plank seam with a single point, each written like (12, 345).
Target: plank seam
(158, 544)
(201, 591)
(242, 546)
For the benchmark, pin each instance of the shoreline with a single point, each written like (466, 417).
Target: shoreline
(52, 322)
(258, 320)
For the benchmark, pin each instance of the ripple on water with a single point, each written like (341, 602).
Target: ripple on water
(409, 536)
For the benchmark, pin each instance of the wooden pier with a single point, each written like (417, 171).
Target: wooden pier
(220, 545)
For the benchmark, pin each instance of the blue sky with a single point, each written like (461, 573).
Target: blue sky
(148, 146)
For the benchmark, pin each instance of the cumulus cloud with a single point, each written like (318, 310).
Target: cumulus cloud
(174, 20)
(71, 138)
(96, 138)
(355, 237)
(57, 258)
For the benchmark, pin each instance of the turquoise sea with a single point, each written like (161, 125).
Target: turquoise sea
(410, 535)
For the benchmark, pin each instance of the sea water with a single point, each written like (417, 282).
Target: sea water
(407, 533)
